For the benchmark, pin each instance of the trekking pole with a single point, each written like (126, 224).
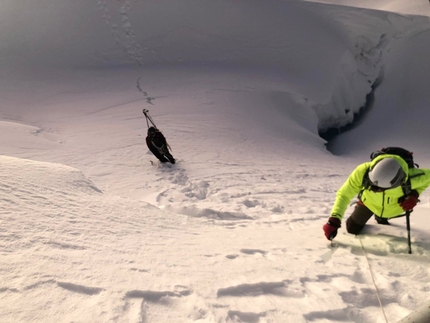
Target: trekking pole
(408, 227)
(408, 224)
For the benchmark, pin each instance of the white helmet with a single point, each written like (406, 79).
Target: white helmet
(387, 173)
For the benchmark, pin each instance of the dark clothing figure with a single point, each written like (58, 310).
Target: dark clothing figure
(157, 144)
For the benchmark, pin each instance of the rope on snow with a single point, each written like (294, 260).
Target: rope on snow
(373, 279)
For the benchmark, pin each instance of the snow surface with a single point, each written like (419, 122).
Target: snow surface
(91, 231)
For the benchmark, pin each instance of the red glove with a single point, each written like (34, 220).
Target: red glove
(330, 228)
(410, 202)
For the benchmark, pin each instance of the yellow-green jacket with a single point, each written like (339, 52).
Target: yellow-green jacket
(383, 204)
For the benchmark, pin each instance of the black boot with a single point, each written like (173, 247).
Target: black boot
(380, 220)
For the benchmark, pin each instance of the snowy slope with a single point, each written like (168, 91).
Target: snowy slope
(92, 232)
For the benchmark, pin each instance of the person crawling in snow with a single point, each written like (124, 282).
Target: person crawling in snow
(383, 196)
(157, 144)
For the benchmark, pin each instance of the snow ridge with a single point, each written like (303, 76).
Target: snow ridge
(361, 68)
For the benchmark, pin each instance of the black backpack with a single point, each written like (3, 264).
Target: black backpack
(406, 155)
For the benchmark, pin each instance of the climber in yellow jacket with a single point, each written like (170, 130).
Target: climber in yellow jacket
(386, 187)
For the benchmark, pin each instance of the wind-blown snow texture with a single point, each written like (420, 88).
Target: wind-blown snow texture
(92, 232)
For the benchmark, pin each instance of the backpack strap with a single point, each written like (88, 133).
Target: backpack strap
(407, 187)
(366, 180)
(365, 183)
